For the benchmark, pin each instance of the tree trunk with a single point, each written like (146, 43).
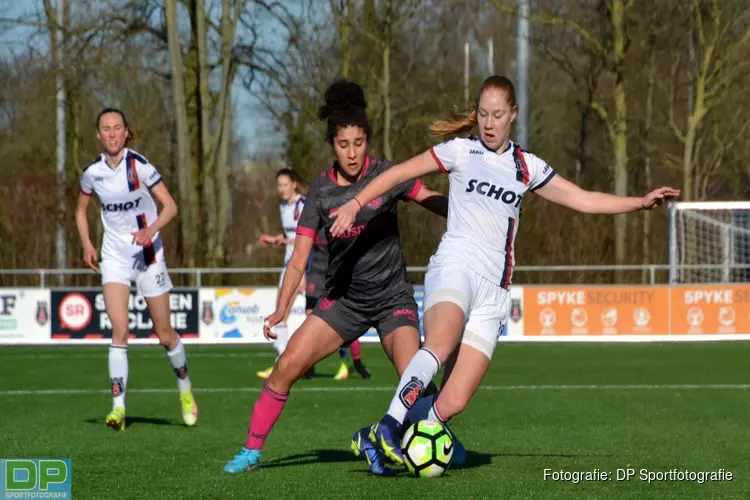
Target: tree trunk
(386, 80)
(646, 234)
(205, 154)
(689, 189)
(223, 252)
(620, 128)
(346, 28)
(183, 170)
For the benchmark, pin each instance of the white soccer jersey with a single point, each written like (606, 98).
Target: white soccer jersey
(290, 212)
(127, 206)
(486, 191)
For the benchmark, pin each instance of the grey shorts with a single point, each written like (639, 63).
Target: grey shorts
(351, 319)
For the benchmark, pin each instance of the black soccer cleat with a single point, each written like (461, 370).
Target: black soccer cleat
(362, 370)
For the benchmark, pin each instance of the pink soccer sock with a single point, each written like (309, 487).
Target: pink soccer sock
(356, 352)
(265, 414)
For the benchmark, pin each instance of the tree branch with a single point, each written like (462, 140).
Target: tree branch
(550, 20)
(604, 115)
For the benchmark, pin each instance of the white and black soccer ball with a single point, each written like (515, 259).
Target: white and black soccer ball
(427, 448)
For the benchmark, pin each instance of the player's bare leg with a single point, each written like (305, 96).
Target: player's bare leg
(444, 324)
(469, 370)
(400, 346)
(311, 372)
(158, 307)
(116, 296)
(312, 342)
(279, 344)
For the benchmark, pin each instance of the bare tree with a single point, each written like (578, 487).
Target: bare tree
(188, 217)
(611, 46)
(722, 34)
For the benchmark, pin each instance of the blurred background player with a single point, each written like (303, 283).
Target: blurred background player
(132, 251)
(316, 282)
(366, 281)
(466, 297)
(291, 189)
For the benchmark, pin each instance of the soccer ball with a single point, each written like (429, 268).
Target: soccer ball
(427, 449)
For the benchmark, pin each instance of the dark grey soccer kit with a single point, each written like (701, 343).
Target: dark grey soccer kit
(366, 280)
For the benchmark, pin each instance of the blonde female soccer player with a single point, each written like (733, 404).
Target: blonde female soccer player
(466, 296)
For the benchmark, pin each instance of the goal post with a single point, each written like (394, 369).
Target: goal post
(709, 242)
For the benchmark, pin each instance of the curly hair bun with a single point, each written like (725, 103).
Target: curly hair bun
(342, 94)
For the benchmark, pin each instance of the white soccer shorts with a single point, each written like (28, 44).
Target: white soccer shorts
(150, 282)
(486, 305)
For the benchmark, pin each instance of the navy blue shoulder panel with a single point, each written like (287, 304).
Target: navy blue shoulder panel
(137, 156)
(94, 161)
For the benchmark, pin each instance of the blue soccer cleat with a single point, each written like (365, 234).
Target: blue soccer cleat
(460, 455)
(386, 435)
(245, 461)
(361, 445)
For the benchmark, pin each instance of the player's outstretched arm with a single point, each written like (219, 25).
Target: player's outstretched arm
(295, 271)
(411, 169)
(567, 194)
(82, 223)
(434, 201)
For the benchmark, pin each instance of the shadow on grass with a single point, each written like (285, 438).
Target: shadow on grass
(312, 457)
(130, 421)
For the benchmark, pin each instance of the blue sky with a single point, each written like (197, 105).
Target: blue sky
(250, 120)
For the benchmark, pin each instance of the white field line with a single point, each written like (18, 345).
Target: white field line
(376, 388)
(102, 354)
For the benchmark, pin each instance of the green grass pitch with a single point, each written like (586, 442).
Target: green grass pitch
(570, 407)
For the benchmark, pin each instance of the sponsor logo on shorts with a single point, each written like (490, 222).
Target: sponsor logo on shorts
(411, 392)
(310, 287)
(326, 303)
(410, 314)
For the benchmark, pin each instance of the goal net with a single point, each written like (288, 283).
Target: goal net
(709, 242)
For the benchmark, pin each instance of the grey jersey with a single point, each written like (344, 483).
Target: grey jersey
(366, 264)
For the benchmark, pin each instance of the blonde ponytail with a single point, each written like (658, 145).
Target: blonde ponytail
(467, 122)
(455, 126)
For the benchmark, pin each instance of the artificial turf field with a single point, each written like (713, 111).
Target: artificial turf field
(572, 407)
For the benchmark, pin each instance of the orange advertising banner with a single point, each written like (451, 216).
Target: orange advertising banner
(596, 310)
(710, 309)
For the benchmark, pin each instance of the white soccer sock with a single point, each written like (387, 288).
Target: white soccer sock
(178, 359)
(118, 374)
(282, 338)
(418, 374)
(433, 414)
